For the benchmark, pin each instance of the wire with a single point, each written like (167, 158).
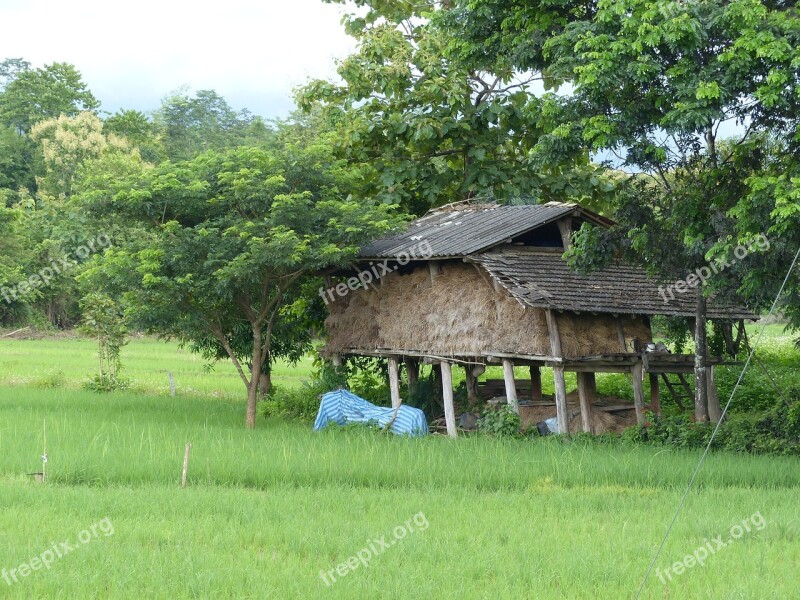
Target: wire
(714, 433)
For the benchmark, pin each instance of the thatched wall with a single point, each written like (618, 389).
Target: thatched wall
(460, 314)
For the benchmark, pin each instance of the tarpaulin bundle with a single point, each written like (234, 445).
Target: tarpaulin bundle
(342, 407)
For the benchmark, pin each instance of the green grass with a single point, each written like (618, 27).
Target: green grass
(266, 510)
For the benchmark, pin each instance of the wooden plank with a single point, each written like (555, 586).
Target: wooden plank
(620, 334)
(714, 408)
(555, 337)
(586, 394)
(561, 400)
(511, 388)
(536, 383)
(394, 382)
(447, 395)
(638, 391)
(655, 394)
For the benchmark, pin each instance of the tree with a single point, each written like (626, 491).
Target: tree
(139, 131)
(436, 130)
(34, 95)
(233, 234)
(192, 125)
(653, 83)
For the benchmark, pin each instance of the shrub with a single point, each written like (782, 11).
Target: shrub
(501, 421)
(294, 404)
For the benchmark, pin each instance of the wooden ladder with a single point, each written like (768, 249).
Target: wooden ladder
(680, 390)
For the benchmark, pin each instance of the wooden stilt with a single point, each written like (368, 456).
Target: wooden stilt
(447, 394)
(394, 382)
(561, 400)
(511, 388)
(714, 408)
(638, 391)
(558, 374)
(586, 392)
(655, 394)
(536, 383)
(412, 374)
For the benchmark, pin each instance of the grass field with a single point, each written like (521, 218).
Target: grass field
(266, 510)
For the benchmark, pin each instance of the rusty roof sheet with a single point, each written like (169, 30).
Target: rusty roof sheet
(544, 280)
(465, 231)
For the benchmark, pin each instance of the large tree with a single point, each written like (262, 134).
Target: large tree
(436, 130)
(658, 87)
(232, 235)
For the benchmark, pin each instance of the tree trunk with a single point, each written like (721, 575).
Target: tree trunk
(255, 378)
(265, 383)
(700, 360)
(412, 375)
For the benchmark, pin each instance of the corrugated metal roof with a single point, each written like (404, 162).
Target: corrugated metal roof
(464, 231)
(544, 280)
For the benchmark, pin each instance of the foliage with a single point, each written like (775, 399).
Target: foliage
(234, 233)
(500, 421)
(34, 95)
(293, 404)
(103, 320)
(435, 130)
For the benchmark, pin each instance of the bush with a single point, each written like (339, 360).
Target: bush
(501, 421)
(294, 404)
(106, 383)
(775, 431)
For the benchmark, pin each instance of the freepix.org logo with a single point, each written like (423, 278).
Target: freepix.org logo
(375, 271)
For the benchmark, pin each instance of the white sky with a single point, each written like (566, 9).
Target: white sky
(132, 54)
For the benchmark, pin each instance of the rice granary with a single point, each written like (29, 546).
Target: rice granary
(472, 285)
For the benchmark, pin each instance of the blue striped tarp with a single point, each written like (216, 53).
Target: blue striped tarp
(342, 407)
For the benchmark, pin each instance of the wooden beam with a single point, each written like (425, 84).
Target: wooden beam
(638, 391)
(655, 394)
(565, 228)
(394, 382)
(558, 373)
(586, 392)
(561, 400)
(511, 388)
(434, 268)
(412, 374)
(620, 334)
(536, 383)
(714, 408)
(447, 395)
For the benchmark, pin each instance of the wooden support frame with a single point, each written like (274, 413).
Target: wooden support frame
(714, 408)
(394, 381)
(655, 394)
(536, 383)
(587, 387)
(511, 387)
(447, 396)
(638, 391)
(558, 374)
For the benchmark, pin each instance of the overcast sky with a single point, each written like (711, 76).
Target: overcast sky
(132, 54)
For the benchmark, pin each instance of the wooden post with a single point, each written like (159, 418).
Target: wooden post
(561, 400)
(558, 374)
(171, 378)
(412, 374)
(433, 266)
(447, 394)
(637, 371)
(185, 465)
(565, 228)
(511, 387)
(714, 408)
(586, 391)
(536, 383)
(655, 394)
(394, 382)
(472, 386)
(620, 334)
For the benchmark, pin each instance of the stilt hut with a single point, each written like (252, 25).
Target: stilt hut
(477, 285)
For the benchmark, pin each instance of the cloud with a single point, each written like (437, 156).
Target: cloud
(131, 55)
